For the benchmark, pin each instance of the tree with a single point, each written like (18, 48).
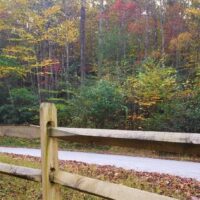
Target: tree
(58, 49)
(100, 38)
(152, 86)
(82, 40)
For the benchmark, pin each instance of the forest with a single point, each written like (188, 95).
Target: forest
(117, 64)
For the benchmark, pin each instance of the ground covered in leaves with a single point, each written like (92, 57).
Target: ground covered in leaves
(18, 189)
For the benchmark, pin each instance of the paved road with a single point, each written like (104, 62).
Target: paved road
(179, 168)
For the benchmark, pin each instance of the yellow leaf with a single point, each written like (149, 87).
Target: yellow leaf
(52, 11)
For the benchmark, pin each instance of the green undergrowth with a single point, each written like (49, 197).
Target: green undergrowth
(19, 142)
(18, 189)
(63, 145)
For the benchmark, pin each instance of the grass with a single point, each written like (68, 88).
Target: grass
(12, 188)
(18, 189)
(35, 143)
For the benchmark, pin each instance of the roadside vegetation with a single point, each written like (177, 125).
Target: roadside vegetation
(121, 64)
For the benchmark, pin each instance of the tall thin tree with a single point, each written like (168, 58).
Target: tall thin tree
(82, 40)
(100, 39)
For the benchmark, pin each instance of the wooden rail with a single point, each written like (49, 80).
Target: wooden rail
(21, 172)
(52, 177)
(103, 189)
(160, 141)
(84, 184)
(29, 132)
(185, 143)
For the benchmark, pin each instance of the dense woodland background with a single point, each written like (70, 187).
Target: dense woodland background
(105, 63)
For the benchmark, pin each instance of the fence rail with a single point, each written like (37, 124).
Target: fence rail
(29, 132)
(52, 177)
(186, 138)
(103, 189)
(84, 184)
(159, 141)
(21, 172)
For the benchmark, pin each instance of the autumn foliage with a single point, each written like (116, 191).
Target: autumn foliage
(63, 51)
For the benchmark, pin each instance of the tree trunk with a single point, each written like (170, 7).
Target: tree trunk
(146, 33)
(100, 41)
(162, 27)
(82, 40)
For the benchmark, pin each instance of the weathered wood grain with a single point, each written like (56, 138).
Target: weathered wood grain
(159, 141)
(174, 137)
(49, 147)
(103, 189)
(21, 172)
(29, 132)
(84, 184)
(184, 143)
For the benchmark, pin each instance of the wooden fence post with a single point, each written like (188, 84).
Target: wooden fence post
(49, 148)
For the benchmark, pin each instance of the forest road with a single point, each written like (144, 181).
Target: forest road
(182, 169)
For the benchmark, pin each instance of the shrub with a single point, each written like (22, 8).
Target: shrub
(22, 107)
(99, 106)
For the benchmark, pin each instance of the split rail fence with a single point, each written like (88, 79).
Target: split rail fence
(52, 177)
